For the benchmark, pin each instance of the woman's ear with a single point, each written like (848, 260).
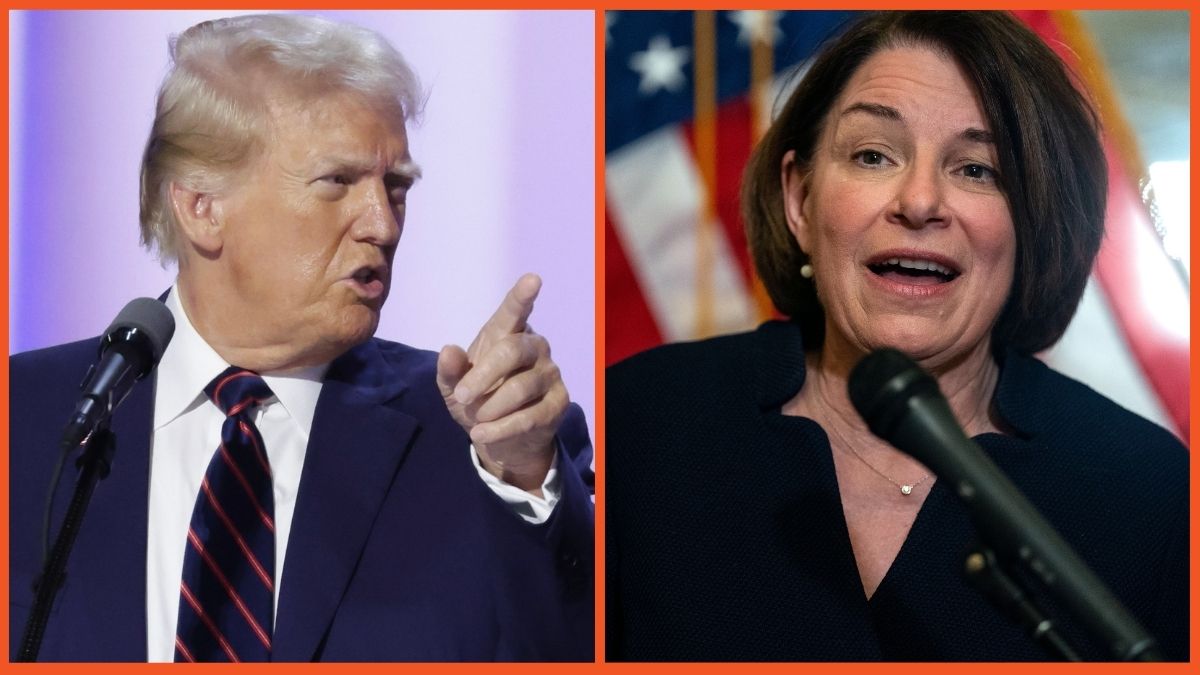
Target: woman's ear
(198, 218)
(795, 179)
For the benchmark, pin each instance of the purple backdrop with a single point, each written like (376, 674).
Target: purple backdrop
(506, 145)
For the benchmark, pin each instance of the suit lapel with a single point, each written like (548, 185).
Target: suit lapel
(354, 449)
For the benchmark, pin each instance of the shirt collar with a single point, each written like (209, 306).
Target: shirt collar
(189, 364)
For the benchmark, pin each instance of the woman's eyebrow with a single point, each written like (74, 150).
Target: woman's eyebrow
(977, 135)
(875, 109)
(887, 112)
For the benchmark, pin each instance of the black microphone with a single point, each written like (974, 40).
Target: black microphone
(129, 350)
(903, 405)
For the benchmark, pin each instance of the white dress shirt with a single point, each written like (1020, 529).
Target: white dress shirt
(187, 431)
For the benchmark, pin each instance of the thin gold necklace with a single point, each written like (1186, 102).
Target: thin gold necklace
(905, 488)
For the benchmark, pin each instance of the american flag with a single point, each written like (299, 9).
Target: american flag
(686, 96)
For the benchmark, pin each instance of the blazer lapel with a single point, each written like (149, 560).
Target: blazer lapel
(354, 449)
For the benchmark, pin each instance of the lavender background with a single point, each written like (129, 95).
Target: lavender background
(506, 144)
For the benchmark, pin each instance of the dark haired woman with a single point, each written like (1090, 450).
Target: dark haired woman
(935, 184)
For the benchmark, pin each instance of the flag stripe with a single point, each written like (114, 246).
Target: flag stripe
(633, 328)
(1150, 303)
(1094, 337)
(704, 135)
(655, 196)
(732, 153)
(1148, 297)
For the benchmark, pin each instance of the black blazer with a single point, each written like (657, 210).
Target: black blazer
(726, 538)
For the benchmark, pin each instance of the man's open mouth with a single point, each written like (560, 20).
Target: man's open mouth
(366, 275)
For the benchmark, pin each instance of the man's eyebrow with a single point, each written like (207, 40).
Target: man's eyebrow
(339, 163)
(876, 109)
(406, 168)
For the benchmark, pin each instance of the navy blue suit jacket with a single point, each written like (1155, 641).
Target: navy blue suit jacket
(398, 551)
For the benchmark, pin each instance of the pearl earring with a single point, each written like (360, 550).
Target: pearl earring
(806, 270)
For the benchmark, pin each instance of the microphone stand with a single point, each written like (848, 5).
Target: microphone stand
(95, 463)
(987, 574)
(1022, 538)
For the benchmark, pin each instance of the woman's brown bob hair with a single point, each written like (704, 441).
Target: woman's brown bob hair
(1051, 165)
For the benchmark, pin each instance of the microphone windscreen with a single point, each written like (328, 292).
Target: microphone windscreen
(882, 383)
(151, 318)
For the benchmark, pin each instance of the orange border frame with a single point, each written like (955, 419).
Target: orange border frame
(598, 6)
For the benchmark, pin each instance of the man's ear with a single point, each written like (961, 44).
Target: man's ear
(796, 180)
(198, 218)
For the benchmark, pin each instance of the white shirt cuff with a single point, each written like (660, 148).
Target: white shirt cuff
(535, 510)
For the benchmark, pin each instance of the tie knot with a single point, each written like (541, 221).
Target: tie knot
(237, 389)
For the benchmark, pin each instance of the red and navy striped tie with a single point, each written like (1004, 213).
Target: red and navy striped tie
(228, 585)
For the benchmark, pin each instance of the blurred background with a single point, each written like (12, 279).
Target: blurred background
(506, 143)
(688, 93)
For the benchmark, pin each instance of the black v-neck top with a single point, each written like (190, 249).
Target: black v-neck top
(726, 539)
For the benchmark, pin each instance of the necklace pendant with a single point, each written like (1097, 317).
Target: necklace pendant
(906, 489)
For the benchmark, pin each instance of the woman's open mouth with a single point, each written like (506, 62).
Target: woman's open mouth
(914, 271)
